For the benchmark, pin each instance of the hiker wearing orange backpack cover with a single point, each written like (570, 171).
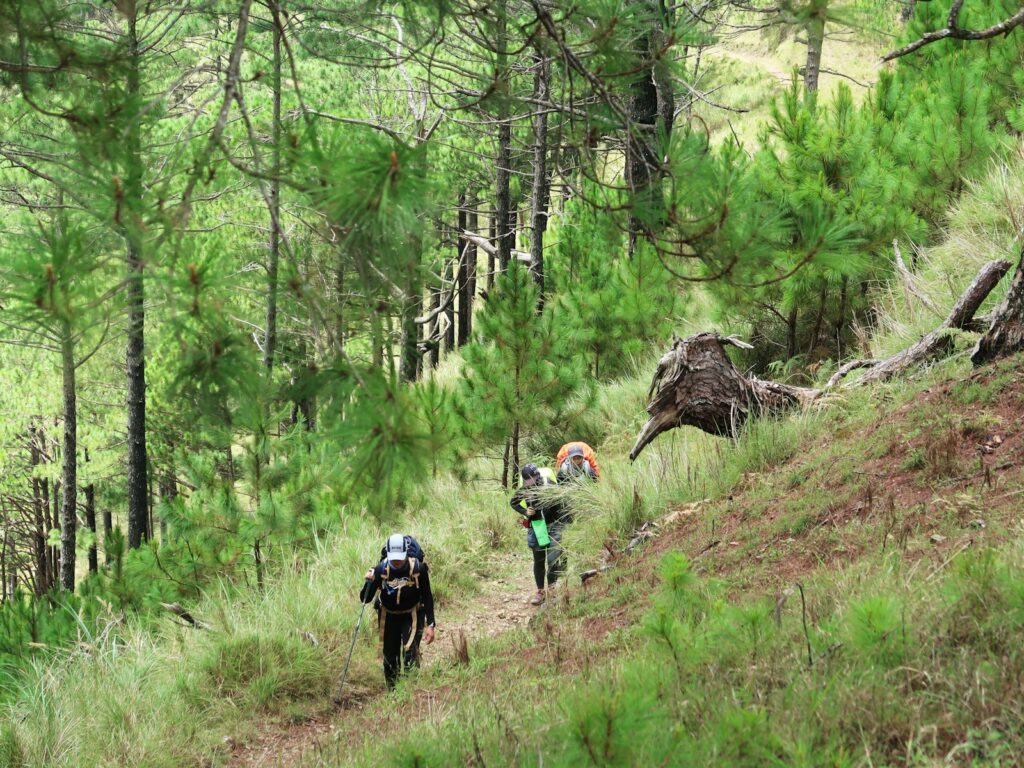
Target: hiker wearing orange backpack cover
(577, 460)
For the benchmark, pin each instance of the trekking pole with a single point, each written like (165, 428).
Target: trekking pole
(352, 647)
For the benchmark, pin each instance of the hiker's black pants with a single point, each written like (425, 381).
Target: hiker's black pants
(549, 558)
(396, 635)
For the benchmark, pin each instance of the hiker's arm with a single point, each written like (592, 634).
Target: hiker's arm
(426, 595)
(370, 586)
(520, 505)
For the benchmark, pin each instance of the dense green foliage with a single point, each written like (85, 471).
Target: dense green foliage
(262, 224)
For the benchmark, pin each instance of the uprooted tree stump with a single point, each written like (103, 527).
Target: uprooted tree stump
(1006, 333)
(696, 384)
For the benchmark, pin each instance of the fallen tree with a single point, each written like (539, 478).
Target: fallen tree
(696, 384)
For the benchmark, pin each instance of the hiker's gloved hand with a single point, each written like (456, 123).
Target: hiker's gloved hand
(531, 512)
(369, 575)
(428, 635)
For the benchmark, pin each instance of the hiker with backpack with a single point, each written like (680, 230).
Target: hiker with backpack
(405, 604)
(577, 460)
(545, 518)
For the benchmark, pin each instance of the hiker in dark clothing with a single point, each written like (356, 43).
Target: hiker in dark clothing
(406, 606)
(541, 511)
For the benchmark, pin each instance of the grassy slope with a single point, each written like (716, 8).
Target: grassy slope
(901, 539)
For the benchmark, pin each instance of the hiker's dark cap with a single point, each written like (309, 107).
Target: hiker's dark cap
(576, 450)
(529, 470)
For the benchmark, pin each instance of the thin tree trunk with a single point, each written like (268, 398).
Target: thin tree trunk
(55, 525)
(504, 463)
(841, 317)
(465, 295)
(270, 343)
(411, 308)
(108, 529)
(434, 327)
(492, 235)
(907, 12)
(539, 195)
(135, 356)
(791, 333)
(39, 537)
(815, 43)
(90, 522)
(451, 273)
(502, 196)
(466, 321)
(69, 471)
(816, 332)
(515, 450)
(51, 561)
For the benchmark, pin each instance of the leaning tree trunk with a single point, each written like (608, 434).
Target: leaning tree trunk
(1006, 335)
(696, 383)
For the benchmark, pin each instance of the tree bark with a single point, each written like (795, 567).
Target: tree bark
(90, 522)
(539, 194)
(907, 12)
(434, 327)
(641, 159)
(815, 42)
(502, 194)
(35, 458)
(1006, 334)
(492, 235)
(696, 384)
(464, 289)
(69, 469)
(270, 342)
(411, 307)
(451, 274)
(471, 268)
(135, 355)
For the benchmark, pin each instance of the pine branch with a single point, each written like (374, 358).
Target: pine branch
(954, 32)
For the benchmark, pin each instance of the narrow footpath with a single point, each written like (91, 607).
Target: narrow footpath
(503, 607)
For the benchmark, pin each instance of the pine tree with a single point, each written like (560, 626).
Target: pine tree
(521, 373)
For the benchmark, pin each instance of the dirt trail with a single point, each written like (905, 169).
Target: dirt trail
(504, 606)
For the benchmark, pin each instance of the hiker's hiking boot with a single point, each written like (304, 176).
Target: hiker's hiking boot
(538, 598)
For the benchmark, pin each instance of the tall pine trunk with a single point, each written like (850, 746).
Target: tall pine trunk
(270, 343)
(492, 235)
(503, 193)
(473, 221)
(69, 469)
(42, 577)
(135, 355)
(90, 522)
(465, 291)
(539, 194)
(451, 275)
(643, 116)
